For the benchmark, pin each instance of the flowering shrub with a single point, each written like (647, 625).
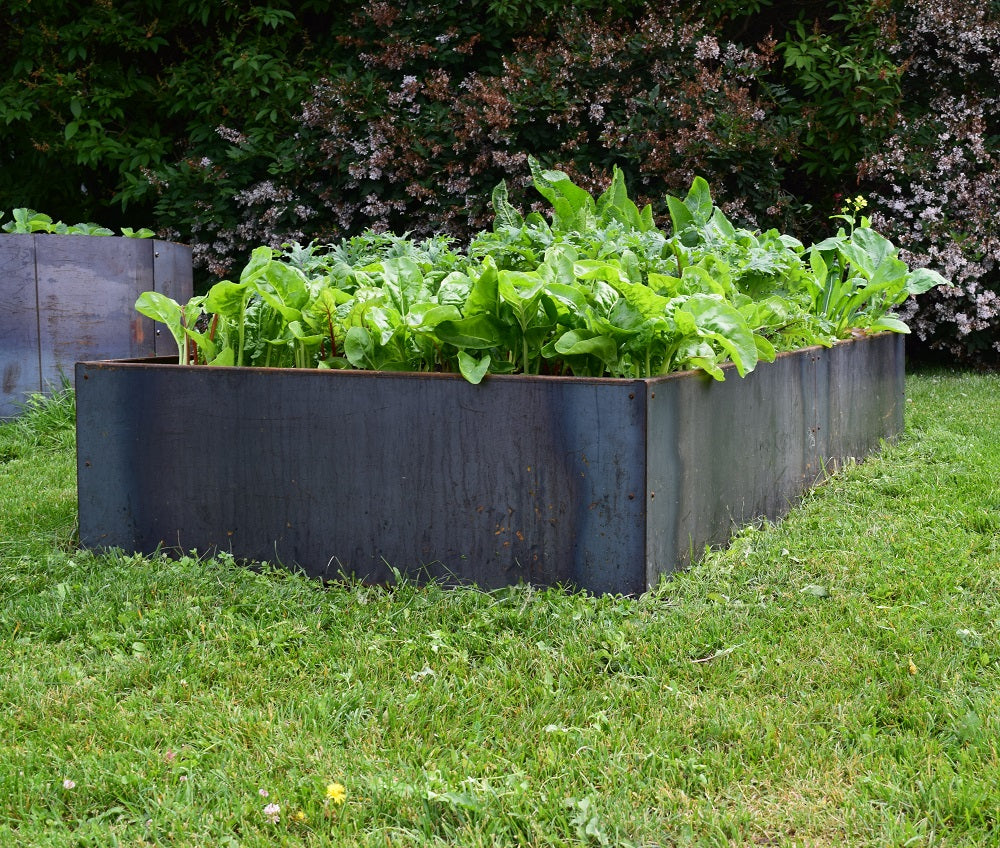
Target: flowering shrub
(435, 109)
(934, 185)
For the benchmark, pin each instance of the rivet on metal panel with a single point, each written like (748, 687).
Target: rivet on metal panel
(652, 394)
(631, 395)
(631, 496)
(652, 495)
(156, 254)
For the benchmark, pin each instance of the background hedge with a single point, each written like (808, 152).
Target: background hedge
(228, 125)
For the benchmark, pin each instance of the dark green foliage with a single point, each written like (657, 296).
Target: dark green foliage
(94, 105)
(233, 125)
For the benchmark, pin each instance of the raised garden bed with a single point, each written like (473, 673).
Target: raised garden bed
(65, 298)
(602, 484)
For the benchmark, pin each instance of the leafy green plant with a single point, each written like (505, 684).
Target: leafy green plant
(859, 278)
(595, 289)
(25, 220)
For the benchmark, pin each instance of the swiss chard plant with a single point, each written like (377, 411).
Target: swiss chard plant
(593, 289)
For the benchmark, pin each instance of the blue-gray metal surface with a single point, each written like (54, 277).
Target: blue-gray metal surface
(601, 484)
(68, 298)
(172, 276)
(519, 479)
(20, 372)
(721, 455)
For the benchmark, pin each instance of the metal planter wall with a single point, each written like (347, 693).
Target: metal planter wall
(66, 298)
(600, 484)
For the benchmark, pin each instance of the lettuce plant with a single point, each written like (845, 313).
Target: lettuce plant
(593, 289)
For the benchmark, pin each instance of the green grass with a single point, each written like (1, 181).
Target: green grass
(829, 681)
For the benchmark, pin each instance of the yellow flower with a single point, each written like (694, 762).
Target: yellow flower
(335, 792)
(860, 202)
(299, 815)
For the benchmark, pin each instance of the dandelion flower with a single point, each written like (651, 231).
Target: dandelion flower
(335, 792)
(299, 815)
(68, 784)
(271, 813)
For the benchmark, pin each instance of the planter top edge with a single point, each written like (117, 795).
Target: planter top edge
(170, 362)
(48, 236)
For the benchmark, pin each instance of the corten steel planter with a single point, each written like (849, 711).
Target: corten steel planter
(601, 484)
(66, 298)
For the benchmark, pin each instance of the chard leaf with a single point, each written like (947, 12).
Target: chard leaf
(426, 316)
(454, 289)
(167, 311)
(890, 323)
(699, 202)
(572, 207)
(506, 215)
(765, 350)
(867, 250)
(484, 297)
(227, 298)
(584, 342)
(924, 279)
(476, 332)
(680, 215)
(472, 369)
(359, 348)
(726, 326)
(614, 205)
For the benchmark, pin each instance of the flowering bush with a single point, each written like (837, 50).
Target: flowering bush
(435, 109)
(934, 185)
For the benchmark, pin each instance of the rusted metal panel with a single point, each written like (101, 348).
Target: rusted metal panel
(600, 484)
(20, 372)
(172, 276)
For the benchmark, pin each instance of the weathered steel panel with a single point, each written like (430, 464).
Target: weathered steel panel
(172, 276)
(66, 298)
(86, 301)
(20, 372)
(865, 396)
(519, 479)
(721, 454)
(601, 484)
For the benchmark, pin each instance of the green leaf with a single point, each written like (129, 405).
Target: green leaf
(572, 207)
(476, 332)
(227, 298)
(484, 298)
(924, 279)
(699, 202)
(359, 348)
(890, 323)
(167, 311)
(506, 215)
(680, 215)
(727, 327)
(584, 342)
(472, 369)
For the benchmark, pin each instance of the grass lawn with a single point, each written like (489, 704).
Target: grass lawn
(829, 681)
